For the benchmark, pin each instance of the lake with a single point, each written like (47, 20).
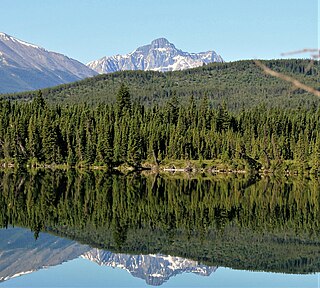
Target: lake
(94, 229)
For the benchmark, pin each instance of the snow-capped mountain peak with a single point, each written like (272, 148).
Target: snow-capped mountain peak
(154, 269)
(159, 55)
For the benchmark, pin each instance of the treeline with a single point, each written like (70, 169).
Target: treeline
(241, 84)
(236, 221)
(130, 133)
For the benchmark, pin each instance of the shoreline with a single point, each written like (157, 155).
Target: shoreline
(169, 167)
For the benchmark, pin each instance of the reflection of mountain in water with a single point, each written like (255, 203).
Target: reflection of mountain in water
(155, 269)
(21, 254)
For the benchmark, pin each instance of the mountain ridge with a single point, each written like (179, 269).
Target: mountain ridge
(159, 55)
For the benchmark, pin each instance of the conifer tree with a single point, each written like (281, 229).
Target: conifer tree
(49, 141)
(38, 101)
(123, 100)
(34, 141)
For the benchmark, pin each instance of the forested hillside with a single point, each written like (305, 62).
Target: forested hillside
(240, 84)
(130, 133)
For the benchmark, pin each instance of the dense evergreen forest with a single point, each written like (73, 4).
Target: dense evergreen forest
(239, 221)
(232, 112)
(240, 84)
(130, 133)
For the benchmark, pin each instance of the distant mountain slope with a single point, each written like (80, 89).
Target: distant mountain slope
(240, 84)
(160, 55)
(20, 254)
(24, 66)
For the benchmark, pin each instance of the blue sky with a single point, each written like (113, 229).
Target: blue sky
(236, 29)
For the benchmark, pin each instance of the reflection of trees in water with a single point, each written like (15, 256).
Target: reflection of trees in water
(211, 219)
(70, 198)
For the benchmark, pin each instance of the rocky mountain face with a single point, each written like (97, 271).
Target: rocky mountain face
(24, 66)
(160, 55)
(154, 269)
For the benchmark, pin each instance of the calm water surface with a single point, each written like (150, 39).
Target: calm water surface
(77, 229)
